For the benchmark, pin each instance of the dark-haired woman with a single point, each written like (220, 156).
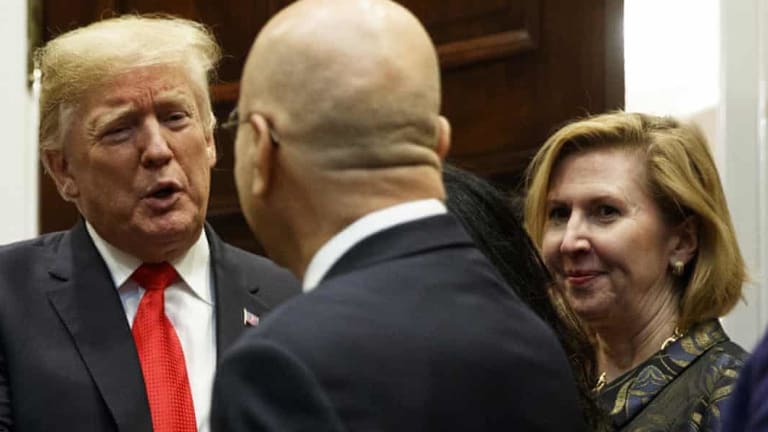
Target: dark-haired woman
(491, 219)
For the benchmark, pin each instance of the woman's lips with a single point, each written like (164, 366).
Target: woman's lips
(580, 279)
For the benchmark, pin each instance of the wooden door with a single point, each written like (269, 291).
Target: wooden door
(513, 70)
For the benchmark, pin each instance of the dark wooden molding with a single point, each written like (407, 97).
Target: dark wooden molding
(494, 46)
(484, 48)
(226, 92)
(454, 54)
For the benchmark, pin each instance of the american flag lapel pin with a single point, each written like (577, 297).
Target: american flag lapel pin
(250, 319)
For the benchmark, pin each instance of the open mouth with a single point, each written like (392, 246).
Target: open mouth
(162, 195)
(163, 192)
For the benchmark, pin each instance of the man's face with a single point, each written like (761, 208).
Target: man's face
(139, 161)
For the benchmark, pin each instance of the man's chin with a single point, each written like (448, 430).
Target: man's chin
(170, 228)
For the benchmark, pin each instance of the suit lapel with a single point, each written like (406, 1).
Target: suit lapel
(85, 299)
(235, 293)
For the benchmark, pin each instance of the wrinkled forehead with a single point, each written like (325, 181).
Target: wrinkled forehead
(133, 90)
(154, 80)
(143, 86)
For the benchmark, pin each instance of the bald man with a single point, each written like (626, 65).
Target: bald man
(403, 324)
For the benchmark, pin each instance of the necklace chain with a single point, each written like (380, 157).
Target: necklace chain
(602, 380)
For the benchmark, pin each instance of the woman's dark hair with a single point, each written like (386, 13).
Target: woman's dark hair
(492, 219)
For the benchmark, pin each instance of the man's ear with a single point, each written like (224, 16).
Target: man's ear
(58, 167)
(443, 137)
(685, 241)
(210, 149)
(263, 163)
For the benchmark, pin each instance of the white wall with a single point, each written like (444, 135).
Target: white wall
(671, 56)
(18, 164)
(741, 154)
(707, 61)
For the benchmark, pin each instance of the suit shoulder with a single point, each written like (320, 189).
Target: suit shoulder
(357, 306)
(24, 251)
(260, 271)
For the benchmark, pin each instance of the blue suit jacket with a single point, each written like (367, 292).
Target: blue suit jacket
(747, 409)
(67, 357)
(411, 330)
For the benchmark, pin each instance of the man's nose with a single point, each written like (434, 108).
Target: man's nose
(156, 150)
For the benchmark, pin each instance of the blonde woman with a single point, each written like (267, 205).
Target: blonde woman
(631, 219)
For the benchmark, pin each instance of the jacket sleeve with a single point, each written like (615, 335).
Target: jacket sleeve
(747, 407)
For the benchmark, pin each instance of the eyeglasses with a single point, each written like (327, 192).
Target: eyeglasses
(234, 121)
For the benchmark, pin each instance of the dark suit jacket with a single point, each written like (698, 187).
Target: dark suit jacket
(747, 408)
(411, 330)
(67, 357)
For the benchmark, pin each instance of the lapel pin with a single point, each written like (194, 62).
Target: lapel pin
(250, 319)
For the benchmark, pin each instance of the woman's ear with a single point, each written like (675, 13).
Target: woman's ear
(685, 241)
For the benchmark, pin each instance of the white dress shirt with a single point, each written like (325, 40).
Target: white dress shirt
(373, 222)
(189, 305)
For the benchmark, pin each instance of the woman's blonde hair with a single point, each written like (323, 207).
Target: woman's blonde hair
(683, 181)
(77, 61)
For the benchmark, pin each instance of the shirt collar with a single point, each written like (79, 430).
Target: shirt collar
(193, 266)
(364, 227)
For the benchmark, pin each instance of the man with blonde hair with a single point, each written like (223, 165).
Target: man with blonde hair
(404, 325)
(117, 324)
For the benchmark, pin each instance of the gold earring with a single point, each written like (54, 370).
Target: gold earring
(678, 267)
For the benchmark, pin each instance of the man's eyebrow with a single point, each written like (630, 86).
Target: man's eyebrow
(176, 96)
(120, 108)
(110, 116)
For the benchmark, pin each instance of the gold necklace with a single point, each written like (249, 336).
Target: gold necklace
(602, 380)
(676, 334)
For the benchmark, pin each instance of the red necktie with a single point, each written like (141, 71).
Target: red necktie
(160, 353)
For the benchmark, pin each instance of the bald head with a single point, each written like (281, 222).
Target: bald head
(355, 83)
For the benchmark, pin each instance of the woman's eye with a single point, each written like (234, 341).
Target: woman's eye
(558, 214)
(607, 212)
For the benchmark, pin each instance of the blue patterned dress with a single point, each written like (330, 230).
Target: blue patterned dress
(680, 388)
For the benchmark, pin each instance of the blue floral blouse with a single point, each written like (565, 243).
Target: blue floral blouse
(681, 388)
